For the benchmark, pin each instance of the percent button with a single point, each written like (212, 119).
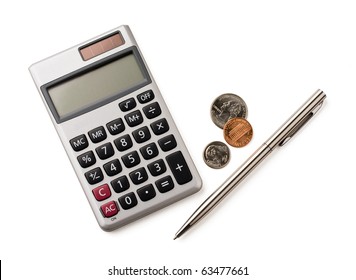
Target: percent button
(87, 159)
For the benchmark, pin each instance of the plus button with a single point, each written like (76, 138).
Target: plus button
(179, 167)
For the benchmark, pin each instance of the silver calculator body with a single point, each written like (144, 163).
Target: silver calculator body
(116, 128)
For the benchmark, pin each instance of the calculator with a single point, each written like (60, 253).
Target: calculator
(116, 128)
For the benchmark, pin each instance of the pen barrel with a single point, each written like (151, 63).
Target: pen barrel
(297, 120)
(232, 182)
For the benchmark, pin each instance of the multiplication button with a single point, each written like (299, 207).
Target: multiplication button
(159, 127)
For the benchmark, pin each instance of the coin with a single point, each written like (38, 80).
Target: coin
(238, 132)
(216, 155)
(227, 106)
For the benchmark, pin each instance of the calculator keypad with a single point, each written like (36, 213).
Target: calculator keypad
(146, 164)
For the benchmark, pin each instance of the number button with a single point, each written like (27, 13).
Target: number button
(115, 126)
(123, 143)
(120, 184)
(149, 151)
(142, 135)
(153, 110)
(79, 143)
(157, 168)
(128, 201)
(94, 176)
(146, 193)
(87, 159)
(131, 159)
(97, 134)
(105, 151)
(159, 127)
(139, 176)
(167, 143)
(134, 118)
(127, 105)
(145, 97)
(113, 167)
(165, 184)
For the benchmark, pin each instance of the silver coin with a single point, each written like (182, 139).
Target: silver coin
(226, 107)
(216, 155)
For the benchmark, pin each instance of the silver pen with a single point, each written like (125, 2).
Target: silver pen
(279, 138)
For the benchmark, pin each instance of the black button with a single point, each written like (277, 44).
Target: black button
(145, 97)
(131, 159)
(79, 143)
(123, 143)
(87, 159)
(142, 135)
(113, 167)
(167, 143)
(128, 201)
(179, 168)
(157, 167)
(149, 151)
(165, 184)
(120, 184)
(105, 151)
(115, 126)
(151, 111)
(127, 105)
(97, 134)
(134, 118)
(146, 193)
(94, 176)
(159, 127)
(139, 176)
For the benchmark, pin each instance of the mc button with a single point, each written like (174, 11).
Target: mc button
(79, 143)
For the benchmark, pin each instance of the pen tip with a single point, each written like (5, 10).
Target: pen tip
(175, 237)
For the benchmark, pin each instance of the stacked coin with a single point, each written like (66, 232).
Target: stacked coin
(228, 112)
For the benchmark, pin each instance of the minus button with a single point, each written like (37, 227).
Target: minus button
(167, 143)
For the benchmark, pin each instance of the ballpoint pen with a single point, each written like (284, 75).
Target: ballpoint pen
(279, 138)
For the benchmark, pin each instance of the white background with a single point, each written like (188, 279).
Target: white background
(292, 218)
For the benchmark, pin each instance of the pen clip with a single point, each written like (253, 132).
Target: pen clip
(301, 123)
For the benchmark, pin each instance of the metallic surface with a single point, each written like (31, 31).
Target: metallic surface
(238, 132)
(279, 138)
(227, 106)
(216, 155)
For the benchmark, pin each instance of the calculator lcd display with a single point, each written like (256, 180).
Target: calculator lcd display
(97, 86)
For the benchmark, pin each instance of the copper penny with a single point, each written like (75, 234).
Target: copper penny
(238, 132)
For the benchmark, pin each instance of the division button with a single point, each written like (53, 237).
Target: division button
(146, 193)
(151, 111)
(179, 168)
(79, 143)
